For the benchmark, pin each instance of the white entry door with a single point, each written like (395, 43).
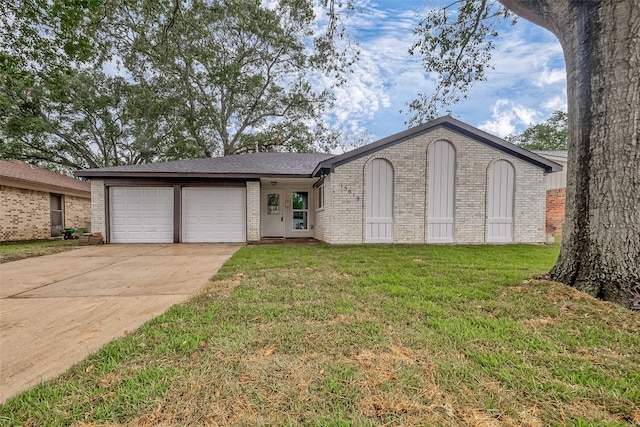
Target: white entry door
(272, 213)
(379, 202)
(442, 175)
(214, 214)
(141, 214)
(500, 202)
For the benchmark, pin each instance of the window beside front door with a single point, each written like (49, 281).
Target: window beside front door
(300, 210)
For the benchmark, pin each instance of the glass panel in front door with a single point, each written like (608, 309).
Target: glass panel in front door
(273, 204)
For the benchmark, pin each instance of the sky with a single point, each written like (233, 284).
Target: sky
(526, 86)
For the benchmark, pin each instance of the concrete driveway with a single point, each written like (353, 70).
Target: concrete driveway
(55, 310)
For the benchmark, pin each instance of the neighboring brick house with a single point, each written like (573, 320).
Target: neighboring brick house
(36, 203)
(556, 192)
(441, 182)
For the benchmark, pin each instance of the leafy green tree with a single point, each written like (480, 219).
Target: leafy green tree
(39, 42)
(84, 119)
(241, 69)
(600, 252)
(548, 136)
(200, 78)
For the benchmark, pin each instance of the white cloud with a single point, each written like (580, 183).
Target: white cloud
(526, 84)
(549, 77)
(508, 117)
(557, 103)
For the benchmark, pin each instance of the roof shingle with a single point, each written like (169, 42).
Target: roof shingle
(301, 164)
(20, 171)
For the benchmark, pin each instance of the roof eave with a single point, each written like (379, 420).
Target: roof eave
(122, 174)
(502, 145)
(53, 188)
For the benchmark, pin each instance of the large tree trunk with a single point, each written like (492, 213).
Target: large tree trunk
(600, 251)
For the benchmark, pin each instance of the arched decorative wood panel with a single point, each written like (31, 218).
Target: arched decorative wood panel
(441, 197)
(379, 202)
(501, 183)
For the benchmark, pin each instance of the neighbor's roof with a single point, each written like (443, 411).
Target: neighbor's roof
(446, 122)
(21, 172)
(250, 165)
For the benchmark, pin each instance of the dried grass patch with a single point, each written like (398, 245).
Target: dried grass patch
(260, 393)
(222, 288)
(537, 323)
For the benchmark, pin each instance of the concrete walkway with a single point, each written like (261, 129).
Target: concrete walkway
(56, 310)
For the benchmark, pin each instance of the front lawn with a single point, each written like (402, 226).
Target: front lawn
(363, 336)
(17, 251)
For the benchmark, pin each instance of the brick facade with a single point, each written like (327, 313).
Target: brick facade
(342, 221)
(253, 211)
(97, 207)
(323, 215)
(77, 212)
(25, 213)
(555, 211)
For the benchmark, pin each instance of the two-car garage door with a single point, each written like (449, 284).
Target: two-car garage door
(208, 214)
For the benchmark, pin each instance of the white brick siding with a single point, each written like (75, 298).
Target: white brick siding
(343, 217)
(97, 207)
(323, 216)
(253, 211)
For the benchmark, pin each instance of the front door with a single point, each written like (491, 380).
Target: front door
(272, 213)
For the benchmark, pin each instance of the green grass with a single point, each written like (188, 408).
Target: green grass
(363, 336)
(17, 251)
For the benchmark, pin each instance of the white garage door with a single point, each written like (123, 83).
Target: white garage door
(141, 214)
(214, 214)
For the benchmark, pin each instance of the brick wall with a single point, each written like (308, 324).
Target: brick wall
(77, 212)
(253, 211)
(555, 211)
(345, 193)
(97, 206)
(24, 214)
(322, 216)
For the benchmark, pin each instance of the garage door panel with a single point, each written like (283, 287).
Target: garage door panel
(141, 214)
(214, 215)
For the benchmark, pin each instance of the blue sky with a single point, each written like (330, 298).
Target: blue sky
(526, 86)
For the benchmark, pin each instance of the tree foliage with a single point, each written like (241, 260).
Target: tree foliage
(551, 135)
(163, 80)
(455, 44)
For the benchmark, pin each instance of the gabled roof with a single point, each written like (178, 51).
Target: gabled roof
(305, 165)
(250, 165)
(19, 172)
(446, 122)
